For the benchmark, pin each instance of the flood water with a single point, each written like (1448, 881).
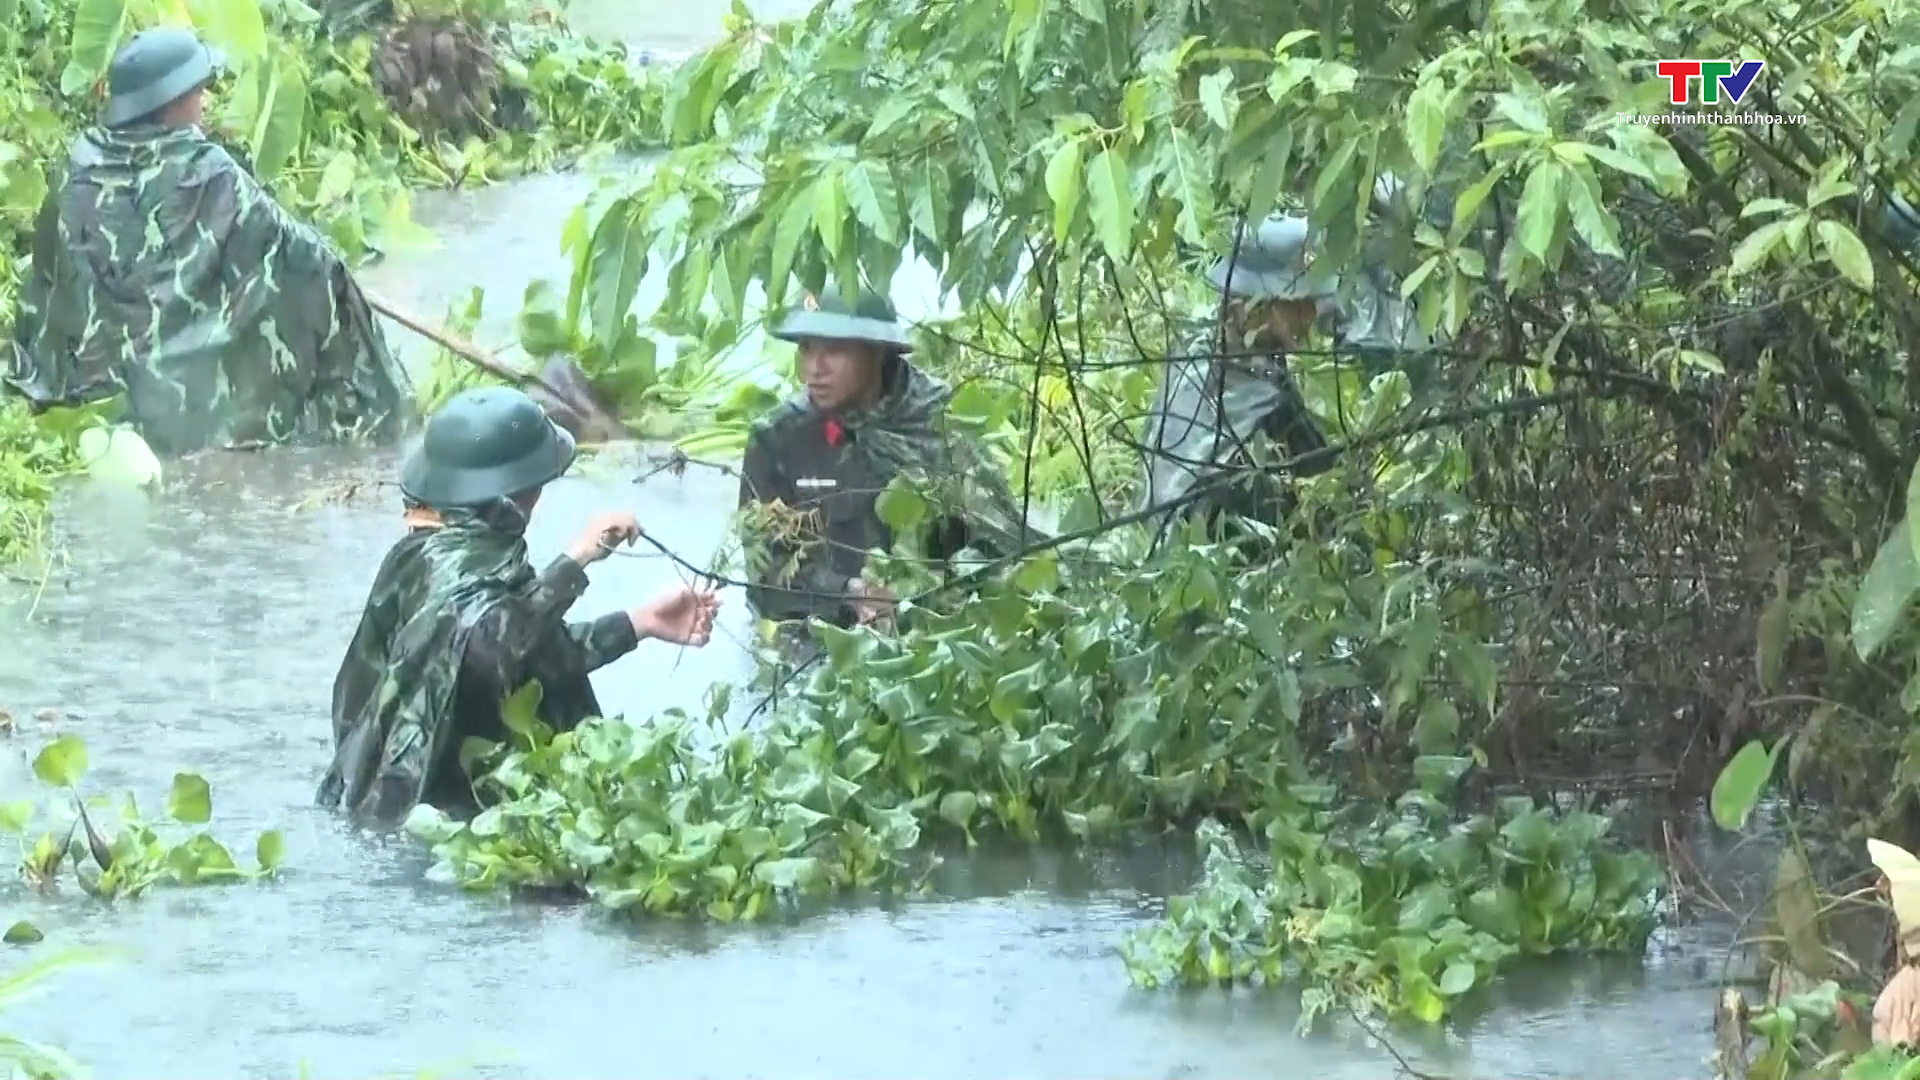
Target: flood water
(200, 630)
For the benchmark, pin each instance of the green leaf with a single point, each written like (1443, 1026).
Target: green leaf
(1458, 978)
(1468, 208)
(1540, 203)
(520, 712)
(1110, 195)
(1220, 106)
(190, 802)
(97, 27)
(1617, 161)
(796, 874)
(235, 27)
(270, 850)
(1737, 789)
(1439, 774)
(617, 262)
(1264, 192)
(901, 508)
(1762, 206)
(279, 124)
(22, 933)
(1590, 219)
(1759, 244)
(1426, 123)
(1063, 187)
(15, 815)
(895, 108)
(1885, 592)
(62, 762)
(830, 213)
(1913, 510)
(1191, 190)
(1845, 251)
(1528, 113)
(959, 807)
(875, 199)
(786, 240)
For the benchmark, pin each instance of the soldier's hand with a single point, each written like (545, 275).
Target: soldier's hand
(604, 533)
(872, 604)
(682, 616)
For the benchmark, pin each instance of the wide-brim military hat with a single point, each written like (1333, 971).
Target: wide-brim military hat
(483, 445)
(154, 69)
(869, 317)
(1273, 263)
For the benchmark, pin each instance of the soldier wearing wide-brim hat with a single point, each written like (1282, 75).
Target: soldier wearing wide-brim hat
(485, 444)
(1214, 402)
(1276, 263)
(147, 196)
(867, 414)
(869, 317)
(457, 618)
(157, 68)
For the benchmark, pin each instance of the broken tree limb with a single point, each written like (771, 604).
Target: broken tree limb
(560, 389)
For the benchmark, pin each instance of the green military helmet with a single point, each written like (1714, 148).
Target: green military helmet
(483, 445)
(153, 70)
(1273, 263)
(870, 318)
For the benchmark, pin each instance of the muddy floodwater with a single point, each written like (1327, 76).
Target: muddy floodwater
(200, 630)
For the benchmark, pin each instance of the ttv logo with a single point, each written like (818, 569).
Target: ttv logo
(1714, 76)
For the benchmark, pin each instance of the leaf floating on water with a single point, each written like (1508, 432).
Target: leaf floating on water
(190, 802)
(15, 815)
(61, 762)
(119, 455)
(270, 851)
(23, 933)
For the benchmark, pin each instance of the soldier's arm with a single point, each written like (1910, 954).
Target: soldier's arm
(516, 629)
(605, 639)
(362, 393)
(263, 229)
(355, 384)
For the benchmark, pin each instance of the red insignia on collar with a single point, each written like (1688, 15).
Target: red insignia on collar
(835, 433)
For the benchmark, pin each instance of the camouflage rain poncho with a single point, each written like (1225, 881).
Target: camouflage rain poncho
(837, 466)
(1208, 413)
(163, 271)
(456, 621)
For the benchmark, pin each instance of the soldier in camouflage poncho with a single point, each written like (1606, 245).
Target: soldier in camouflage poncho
(867, 415)
(1215, 403)
(164, 272)
(457, 619)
